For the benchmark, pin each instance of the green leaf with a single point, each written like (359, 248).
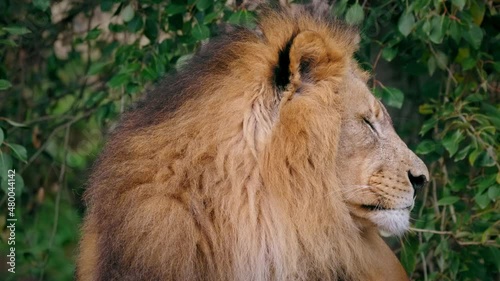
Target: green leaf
(406, 23)
(41, 4)
(458, 183)
(210, 18)
(200, 32)
(135, 24)
(174, 9)
(339, 7)
(393, 97)
(494, 192)
(458, 3)
(437, 32)
(426, 27)
(4, 84)
(463, 53)
(248, 19)
(451, 142)
(496, 66)
(96, 68)
(477, 10)
(127, 13)
(130, 68)
(389, 53)
(18, 184)
(93, 34)
(468, 63)
(455, 31)
(429, 124)
(5, 163)
(8, 42)
(151, 29)
(473, 156)
(449, 200)
(441, 60)
(355, 14)
(484, 182)
(235, 18)
(431, 65)
(474, 36)
(19, 151)
(426, 147)
(116, 28)
(118, 80)
(149, 74)
(106, 5)
(17, 30)
(95, 98)
(463, 153)
(1, 136)
(418, 5)
(482, 200)
(486, 160)
(242, 17)
(183, 60)
(203, 4)
(426, 109)
(132, 88)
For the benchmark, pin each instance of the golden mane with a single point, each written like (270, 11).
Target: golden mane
(213, 177)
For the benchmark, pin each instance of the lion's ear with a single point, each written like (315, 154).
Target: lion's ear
(308, 53)
(302, 59)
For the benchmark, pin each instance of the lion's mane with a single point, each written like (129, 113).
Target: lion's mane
(211, 178)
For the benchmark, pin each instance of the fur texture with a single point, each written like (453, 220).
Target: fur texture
(230, 169)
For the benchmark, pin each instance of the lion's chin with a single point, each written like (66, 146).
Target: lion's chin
(391, 222)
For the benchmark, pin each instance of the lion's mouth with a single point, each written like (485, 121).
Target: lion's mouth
(381, 208)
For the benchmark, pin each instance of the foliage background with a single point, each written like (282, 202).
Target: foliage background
(69, 68)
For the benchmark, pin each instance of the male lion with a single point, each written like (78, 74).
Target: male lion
(265, 158)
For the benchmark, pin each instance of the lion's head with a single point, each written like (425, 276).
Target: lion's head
(265, 158)
(379, 174)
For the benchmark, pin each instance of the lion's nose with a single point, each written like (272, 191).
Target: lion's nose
(418, 173)
(417, 181)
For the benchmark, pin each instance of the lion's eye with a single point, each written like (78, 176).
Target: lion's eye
(370, 124)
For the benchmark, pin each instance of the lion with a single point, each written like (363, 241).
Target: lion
(265, 158)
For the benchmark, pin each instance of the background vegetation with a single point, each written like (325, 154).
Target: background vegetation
(69, 68)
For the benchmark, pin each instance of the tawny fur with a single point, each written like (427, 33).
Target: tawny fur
(239, 180)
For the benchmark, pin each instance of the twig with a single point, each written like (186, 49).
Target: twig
(474, 243)
(422, 256)
(440, 232)
(424, 264)
(434, 196)
(58, 199)
(460, 242)
(426, 192)
(375, 63)
(452, 213)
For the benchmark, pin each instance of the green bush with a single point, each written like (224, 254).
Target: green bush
(69, 68)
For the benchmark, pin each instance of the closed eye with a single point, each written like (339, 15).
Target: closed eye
(367, 122)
